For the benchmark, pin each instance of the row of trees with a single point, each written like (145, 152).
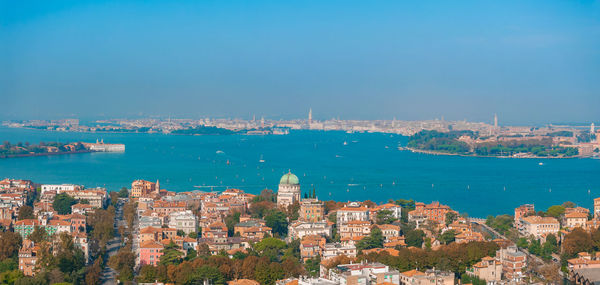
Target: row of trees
(8, 149)
(269, 260)
(57, 262)
(440, 142)
(544, 250)
(537, 150)
(453, 257)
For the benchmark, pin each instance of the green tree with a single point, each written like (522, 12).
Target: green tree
(231, 221)
(551, 245)
(451, 217)
(415, 238)
(385, 217)
(373, 240)
(123, 193)
(69, 257)
(535, 247)
(25, 212)
(467, 279)
(448, 236)
(577, 241)
(94, 272)
(522, 243)
(277, 221)
(312, 266)
(62, 204)
(148, 273)
(555, 211)
(39, 234)
(271, 248)
(101, 223)
(501, 223)
(123, 262)
(208, 273)
(171, 255)
(10, 243)
(268, 273)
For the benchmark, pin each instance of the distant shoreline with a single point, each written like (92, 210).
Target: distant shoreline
(432, 152)
(45, 154)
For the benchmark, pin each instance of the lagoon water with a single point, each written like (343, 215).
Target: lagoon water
(368, 166)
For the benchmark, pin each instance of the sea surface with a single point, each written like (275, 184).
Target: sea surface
(338, 165)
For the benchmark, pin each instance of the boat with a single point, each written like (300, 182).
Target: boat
(541, 163)
(261, 160)
(345, 143)
(220, 152)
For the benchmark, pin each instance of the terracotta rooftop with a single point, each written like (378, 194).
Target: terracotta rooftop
(540, 220)
(412, 273)
(151, 244)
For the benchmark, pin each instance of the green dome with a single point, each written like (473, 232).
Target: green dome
(289, 178)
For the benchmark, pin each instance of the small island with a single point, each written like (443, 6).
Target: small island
(20, 149)
(470, 143)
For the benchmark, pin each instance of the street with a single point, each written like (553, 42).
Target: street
(109, 275)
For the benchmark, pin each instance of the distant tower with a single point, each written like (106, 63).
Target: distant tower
(310, 116)
(495, 121)
(157, 189)
(592, 128)
(262, 122)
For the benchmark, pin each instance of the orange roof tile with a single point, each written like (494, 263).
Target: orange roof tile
(151, 244)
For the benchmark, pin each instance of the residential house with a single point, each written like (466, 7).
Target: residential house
(537, 226)
(513, 261)
(311, 210)
(488, 269)
(363, 273)
(150, 252)
(185, 221)
(355, 229)
(353, 211)
(252, 229)
(415, 277)
(299, 229)
(335, 249)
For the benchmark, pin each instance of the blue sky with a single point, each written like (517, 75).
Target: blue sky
(528, 61)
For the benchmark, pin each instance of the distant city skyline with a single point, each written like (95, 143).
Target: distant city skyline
(529, 63)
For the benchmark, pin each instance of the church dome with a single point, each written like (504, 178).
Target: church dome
(290, 179)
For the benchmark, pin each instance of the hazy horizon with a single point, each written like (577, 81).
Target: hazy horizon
(534, 62)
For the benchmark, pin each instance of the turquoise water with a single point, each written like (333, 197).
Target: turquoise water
(362, 169)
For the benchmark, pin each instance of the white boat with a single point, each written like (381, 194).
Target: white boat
(541, 163)
(345, 143)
